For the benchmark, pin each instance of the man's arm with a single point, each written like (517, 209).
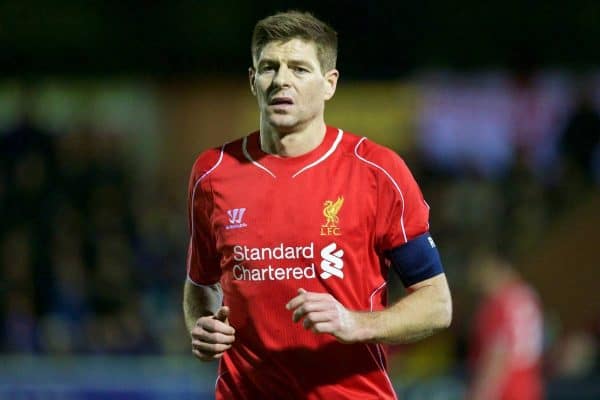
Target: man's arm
(200, 301)
(426, 309)
(207, 321)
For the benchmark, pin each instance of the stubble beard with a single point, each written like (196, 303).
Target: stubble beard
(283, 123)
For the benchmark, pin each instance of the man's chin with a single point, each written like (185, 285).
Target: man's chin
(283, 124)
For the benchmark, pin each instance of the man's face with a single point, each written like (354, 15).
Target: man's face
(289, 84)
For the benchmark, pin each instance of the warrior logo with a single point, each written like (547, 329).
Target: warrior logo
(235, 218)
(330, 211)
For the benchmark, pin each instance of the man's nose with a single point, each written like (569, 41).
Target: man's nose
(282, 76)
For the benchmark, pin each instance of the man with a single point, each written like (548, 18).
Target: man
(293, 230)
(506, 347)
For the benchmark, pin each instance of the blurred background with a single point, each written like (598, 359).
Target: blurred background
(105, 105)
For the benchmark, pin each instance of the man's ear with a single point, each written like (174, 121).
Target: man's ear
(331, 78)
(252, 78)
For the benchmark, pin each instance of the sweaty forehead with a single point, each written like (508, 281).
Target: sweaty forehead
(294, 49)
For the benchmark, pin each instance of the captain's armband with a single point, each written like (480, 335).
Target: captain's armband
(416, 260)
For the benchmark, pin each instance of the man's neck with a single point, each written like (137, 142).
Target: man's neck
(294, 143)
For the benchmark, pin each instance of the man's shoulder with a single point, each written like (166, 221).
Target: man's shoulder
(370, 152)
(211, 159)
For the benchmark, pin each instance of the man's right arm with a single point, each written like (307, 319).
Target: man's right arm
(200, 301)
(207, 321)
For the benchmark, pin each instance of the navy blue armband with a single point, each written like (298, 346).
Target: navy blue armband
(416, 260)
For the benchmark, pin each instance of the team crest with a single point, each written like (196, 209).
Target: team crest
(330, 211)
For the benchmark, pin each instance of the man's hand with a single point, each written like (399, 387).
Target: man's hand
(322, 313)
(212, 335)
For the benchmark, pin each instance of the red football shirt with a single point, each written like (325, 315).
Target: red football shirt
(512, 316)
(264, 226)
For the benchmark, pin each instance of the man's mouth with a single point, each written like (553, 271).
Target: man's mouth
(281, 101)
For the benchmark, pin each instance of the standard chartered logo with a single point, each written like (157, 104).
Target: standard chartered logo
(272, 263)
(332, 263)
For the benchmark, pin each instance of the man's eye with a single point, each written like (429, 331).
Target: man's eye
(300, 69)
(267, 68)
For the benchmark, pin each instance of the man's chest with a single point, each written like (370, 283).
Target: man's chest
(316, 208)
(315, 230)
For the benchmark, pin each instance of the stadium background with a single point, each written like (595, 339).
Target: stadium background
(104, 105)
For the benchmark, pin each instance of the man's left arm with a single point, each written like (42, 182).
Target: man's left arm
(426, 309)
(402, 237)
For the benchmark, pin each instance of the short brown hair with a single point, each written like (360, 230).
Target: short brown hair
(290, 25)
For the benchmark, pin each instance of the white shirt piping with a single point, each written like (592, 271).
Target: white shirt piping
(249, 157)
(189, 259)
(333, 147)
(337, 141)
(390, 178)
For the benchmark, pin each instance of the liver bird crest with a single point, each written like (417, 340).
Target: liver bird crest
(331, 210)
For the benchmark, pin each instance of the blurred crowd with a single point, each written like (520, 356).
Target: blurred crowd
(504, 157)
(502, 163)
(92, 261)
(89, 264)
